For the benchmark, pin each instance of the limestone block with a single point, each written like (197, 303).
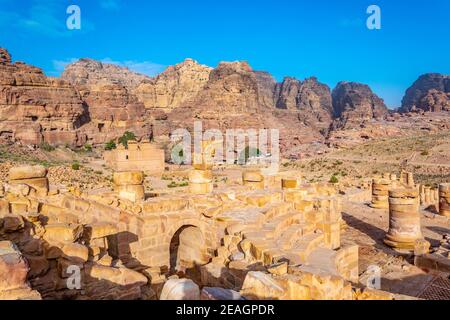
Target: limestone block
(120, 276)
(215, 293)
(99, 230)
(444, 199)
(200, 176)
(201, 188)
(254, 185)
(252, 176)
(167, 204)
(39, 184)
(27, 172)
(180, 289)
(290, 183)
(132, 193)
(261, 286)
(18, 189)
(278, 268)
(128, 178)
(62, 232)
(372, 294)
(75, 252)
(293, 288)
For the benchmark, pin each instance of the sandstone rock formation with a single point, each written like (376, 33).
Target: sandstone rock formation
(175, 86)
(355, 103)
(106, 91)
(35, 108)
(430, 92)
(311, 98)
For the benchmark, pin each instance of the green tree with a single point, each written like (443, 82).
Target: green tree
(127, 136)
(110, 145)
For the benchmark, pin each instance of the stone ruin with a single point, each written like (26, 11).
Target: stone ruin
(403, 198)
(269, 237)
(138, 156)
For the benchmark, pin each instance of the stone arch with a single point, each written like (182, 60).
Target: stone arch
(188, 249)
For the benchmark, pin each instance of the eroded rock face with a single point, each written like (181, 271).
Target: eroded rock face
(311, 98)
(90, 72)
(35, 108)
(430, 92)
(112, 107)
(355, 103)
(174, 87)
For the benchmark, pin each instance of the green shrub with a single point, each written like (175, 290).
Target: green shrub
(46, 146)
(127, 136)
(173, 184)
(110, 145)
(424, 153)
(76, 166)
(88, 147)
(334, 179)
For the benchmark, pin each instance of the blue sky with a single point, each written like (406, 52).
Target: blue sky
(323, 38)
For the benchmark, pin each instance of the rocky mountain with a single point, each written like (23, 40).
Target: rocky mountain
(174, 87)
(106, 90)
(355, 103)
(35, 108)
(94, 102)
(91, 72)
(310, 98)
(430, 92)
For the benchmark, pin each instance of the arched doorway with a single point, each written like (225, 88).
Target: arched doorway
(187, 251)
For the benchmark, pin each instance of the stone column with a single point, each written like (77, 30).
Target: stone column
(427, 191)
(444, 199)
(380, 189)
(410, 179)
(404, 219)
(200, 181)
(422, 194)
(129, 185)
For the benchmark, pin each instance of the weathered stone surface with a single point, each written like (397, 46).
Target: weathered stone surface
(430, 92)
(13, 267)
(211, 293)
(27, 172)
(180, 289)
(354, 104)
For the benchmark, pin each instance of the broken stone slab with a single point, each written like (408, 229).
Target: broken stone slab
(261, 286)
(13, 267)
(216, 293)
(180, 289)
(62, 232)
(27, 172)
